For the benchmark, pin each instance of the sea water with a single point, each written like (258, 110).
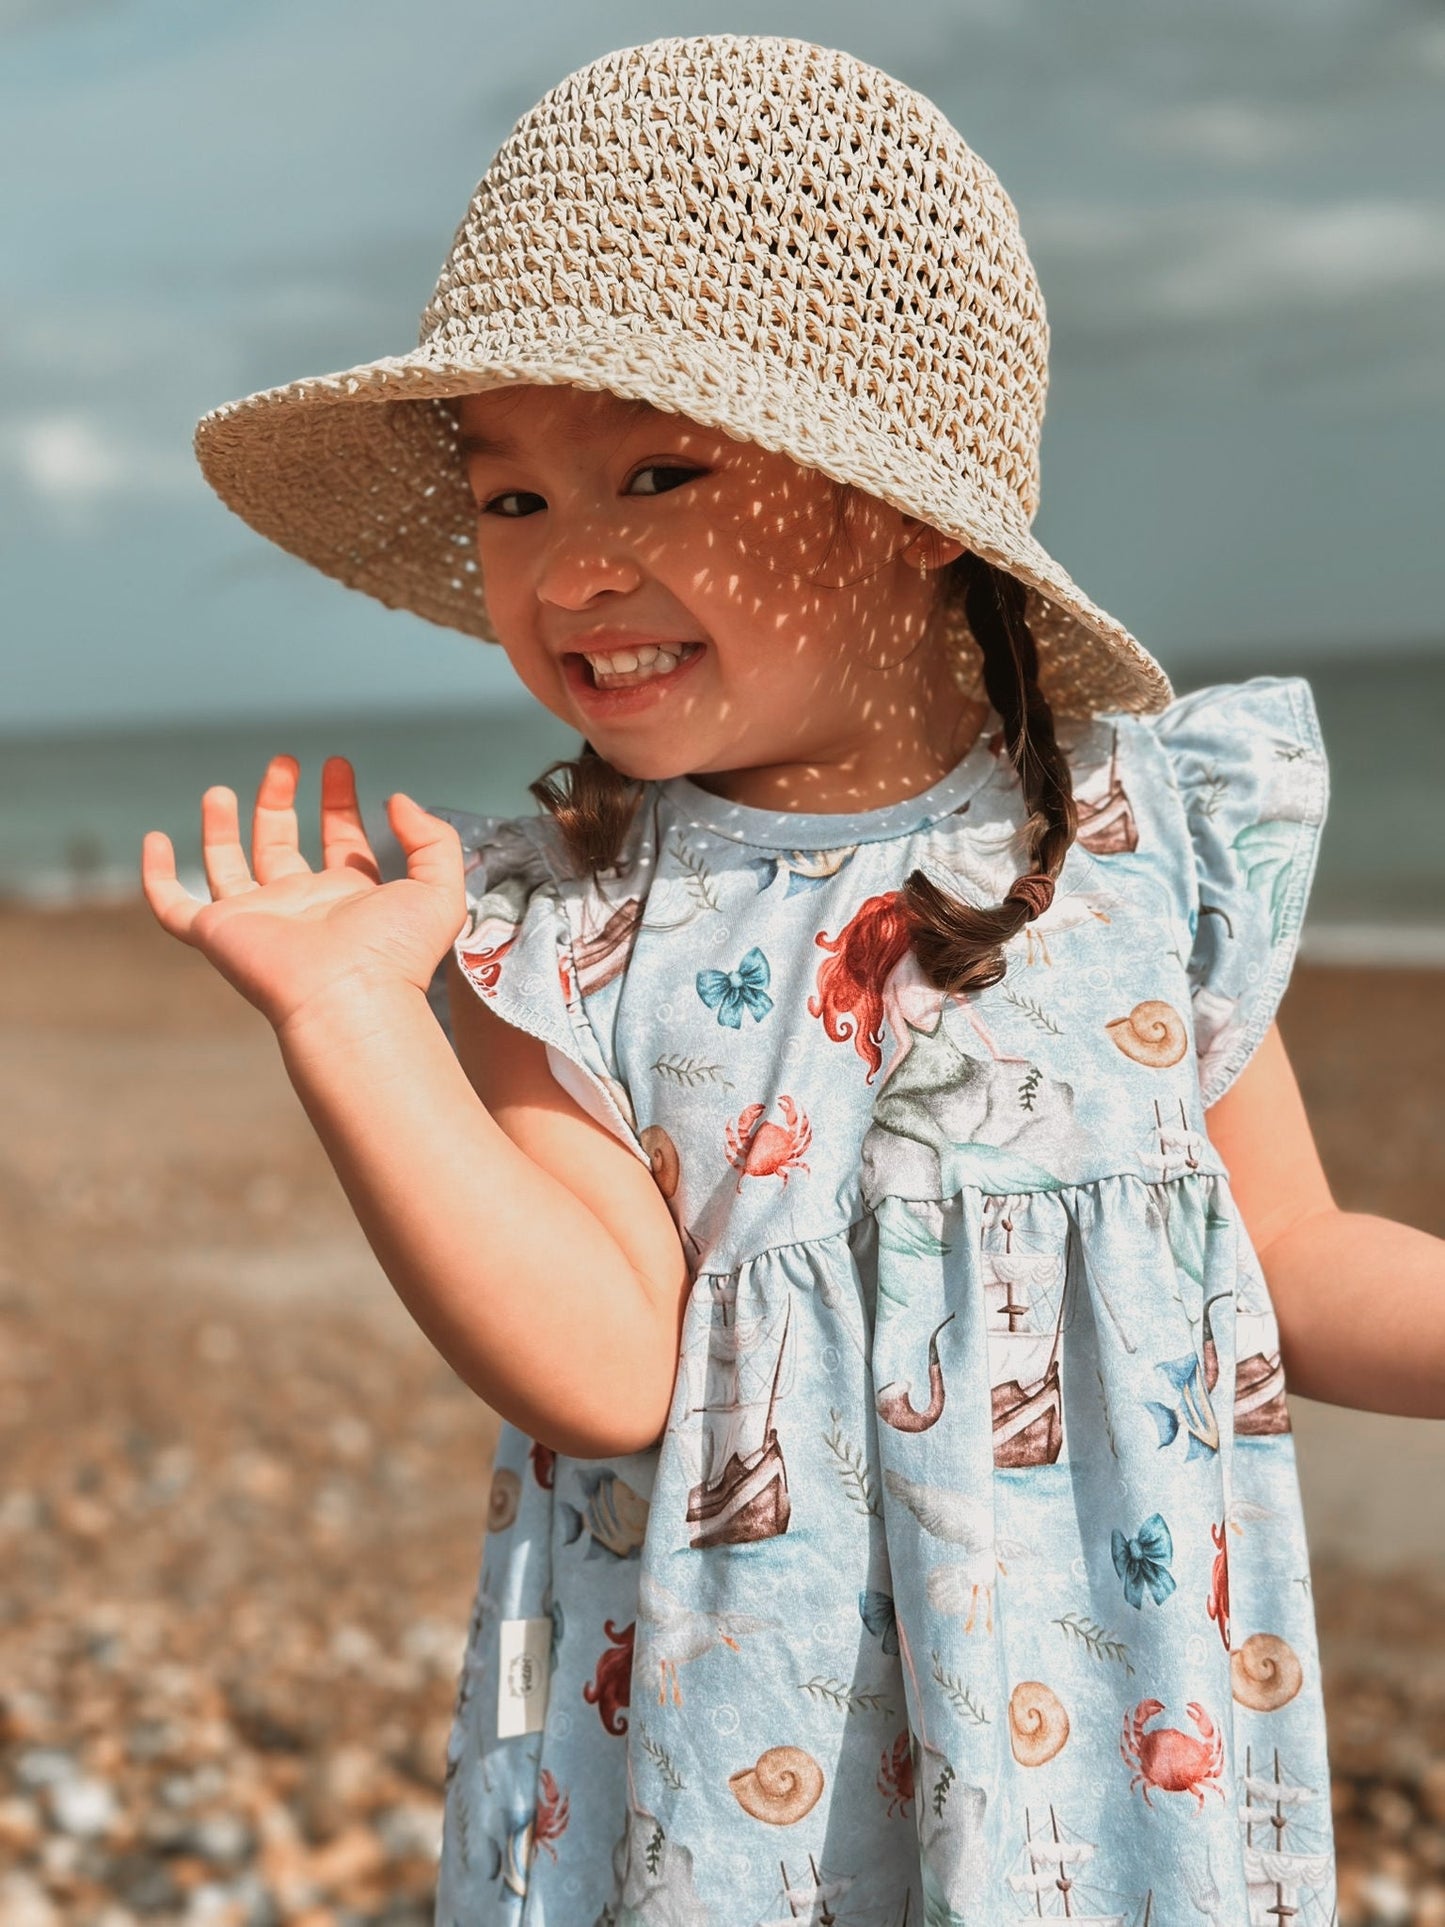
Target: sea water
(74, 807)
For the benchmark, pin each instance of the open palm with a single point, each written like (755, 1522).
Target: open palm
(290, 935)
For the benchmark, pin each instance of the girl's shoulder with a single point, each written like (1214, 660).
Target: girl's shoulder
(1220, 799)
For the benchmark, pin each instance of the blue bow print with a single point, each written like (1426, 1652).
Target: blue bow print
(1144, 1561)
(726, 991)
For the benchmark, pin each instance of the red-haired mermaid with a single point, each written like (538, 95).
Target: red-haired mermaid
(872, 978)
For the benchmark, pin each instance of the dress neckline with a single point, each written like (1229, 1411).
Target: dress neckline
(828, 829)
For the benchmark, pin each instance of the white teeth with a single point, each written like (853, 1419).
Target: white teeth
(651, 659)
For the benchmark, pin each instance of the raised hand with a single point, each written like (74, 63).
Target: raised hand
(289, 935)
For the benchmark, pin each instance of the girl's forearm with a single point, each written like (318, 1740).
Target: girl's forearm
(556, 1333)
(1361, 1308)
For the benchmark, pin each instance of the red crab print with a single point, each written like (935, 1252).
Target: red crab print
(544, 1463)
(758, 1150)
(1171, 1761)
(611, 1689)
(484, 966)
(1218, 1606)
(895, 1775)
(550, 1820)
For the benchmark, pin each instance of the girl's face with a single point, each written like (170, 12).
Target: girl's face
(809, 675)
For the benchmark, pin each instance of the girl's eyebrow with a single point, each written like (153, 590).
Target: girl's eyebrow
(475, 441)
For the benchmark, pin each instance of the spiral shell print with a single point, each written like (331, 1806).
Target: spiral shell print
(503, 1499)
(1265, 1672)
(662, 1152)
(1153, 1033)
(785, 1784)
(1038, 1726)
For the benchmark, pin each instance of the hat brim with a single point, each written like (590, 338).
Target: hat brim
(359, 473)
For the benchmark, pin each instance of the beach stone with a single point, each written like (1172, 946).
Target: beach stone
(223, 1837)
(44, 1766)
(25, 1903)
(1391, 1811)
(1432, 1791)
(411, 1830)
(1388, 1900)
(20, 1826)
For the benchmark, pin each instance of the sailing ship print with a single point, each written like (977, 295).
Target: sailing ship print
(742, 1493)
(1106, 820)
(1260, 1406)
(1025, 1292)
(1280, 1875)
(1177, 1147)
(1045, 1868)
(811, 1899)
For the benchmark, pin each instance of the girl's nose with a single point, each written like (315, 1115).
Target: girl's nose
(584, 564)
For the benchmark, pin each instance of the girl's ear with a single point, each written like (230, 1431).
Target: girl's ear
(928, 548)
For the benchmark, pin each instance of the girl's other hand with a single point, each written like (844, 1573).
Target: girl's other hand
(290, 935)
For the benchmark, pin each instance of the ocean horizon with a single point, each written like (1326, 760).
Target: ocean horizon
(75, 805)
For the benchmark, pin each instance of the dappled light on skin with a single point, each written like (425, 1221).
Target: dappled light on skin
(823, 683)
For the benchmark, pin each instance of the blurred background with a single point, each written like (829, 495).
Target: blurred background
(243, 1501)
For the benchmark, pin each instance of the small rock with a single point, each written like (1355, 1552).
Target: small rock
(22, 1512)
(25, 1903)
(222, 1837)
(217, 1344)
(83, 1807)
(1432, 1791)
(349, 1857)
(42, 1766)
(20, 1826)
(1388, 1899)
(351, 1437)
(1391, 1811)
(410, 1830)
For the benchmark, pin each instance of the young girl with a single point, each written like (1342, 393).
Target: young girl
(869, 1183)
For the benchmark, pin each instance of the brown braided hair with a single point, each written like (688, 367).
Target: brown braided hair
(959, 946)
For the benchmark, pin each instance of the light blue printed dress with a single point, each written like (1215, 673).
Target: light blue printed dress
(968, 1583)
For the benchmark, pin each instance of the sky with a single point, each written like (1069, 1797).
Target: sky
(1237, 214)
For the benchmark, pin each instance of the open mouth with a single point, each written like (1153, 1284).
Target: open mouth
(623, 680)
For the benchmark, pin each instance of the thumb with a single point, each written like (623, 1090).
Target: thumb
(433, 848)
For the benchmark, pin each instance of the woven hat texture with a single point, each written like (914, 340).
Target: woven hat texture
(767, 236)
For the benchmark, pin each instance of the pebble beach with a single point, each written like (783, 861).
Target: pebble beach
(243, 1500)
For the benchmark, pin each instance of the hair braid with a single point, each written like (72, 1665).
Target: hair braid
(959, 946)
(593, 811)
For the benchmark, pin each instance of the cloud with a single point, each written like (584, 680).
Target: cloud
(73, 463)
(1243, 261)
(1234, 133)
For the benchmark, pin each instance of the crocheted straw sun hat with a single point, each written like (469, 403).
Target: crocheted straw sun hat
(766, 236)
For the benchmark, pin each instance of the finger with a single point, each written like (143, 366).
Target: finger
(227, 871)
(174, 906)
(433, 848)
(275, 834)
(344, 844)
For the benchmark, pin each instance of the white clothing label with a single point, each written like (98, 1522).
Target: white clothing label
(524, 1665)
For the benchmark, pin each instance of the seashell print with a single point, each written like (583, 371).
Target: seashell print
(785, 1784)
(1265, 1672)
(1153, 1033)
(503, 1499)
(1038, 1726)
(666, 1165)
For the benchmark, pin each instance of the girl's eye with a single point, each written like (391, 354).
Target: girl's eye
(652, 468)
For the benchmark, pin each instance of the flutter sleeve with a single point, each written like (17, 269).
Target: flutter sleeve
(515, 950)
(1249, 766)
